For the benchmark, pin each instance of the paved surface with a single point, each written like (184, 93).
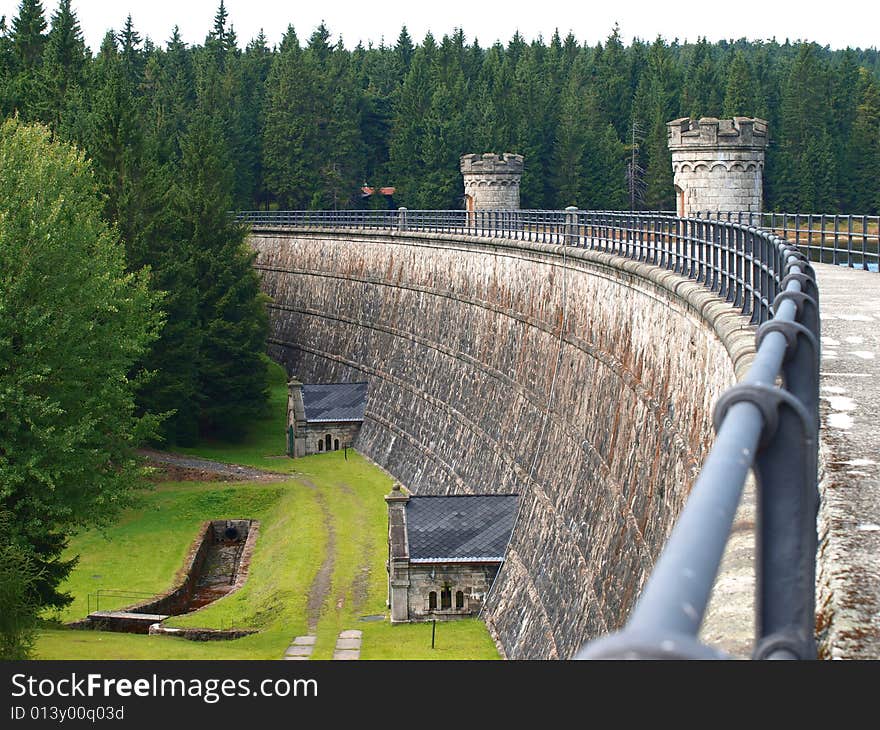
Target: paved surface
(849, 523)
(301, 648)
(848, 591)
(348, 645)
(729, 623)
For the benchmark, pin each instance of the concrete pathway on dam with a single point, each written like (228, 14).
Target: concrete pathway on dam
(848, 603)
(848, 580)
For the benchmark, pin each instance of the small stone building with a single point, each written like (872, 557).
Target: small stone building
(323, 417)
(717, 164)
(491, 182)
(444, 552)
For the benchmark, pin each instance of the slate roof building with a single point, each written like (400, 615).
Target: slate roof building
(444, 552)
(323, 417)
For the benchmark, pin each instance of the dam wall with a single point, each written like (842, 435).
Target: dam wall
(580, 380)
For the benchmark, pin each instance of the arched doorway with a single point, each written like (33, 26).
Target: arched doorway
(469, 207)
(679, 201)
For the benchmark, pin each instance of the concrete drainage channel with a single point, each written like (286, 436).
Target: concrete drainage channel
(216, 565)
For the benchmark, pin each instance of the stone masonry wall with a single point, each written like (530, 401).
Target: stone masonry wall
(718, 164)
(472, 580)
(345, 433)
(582, 381)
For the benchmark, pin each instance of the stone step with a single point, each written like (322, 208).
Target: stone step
(301, 648)
(348, 645)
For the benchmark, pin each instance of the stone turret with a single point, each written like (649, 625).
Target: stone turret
(718, 164)
(491, 182)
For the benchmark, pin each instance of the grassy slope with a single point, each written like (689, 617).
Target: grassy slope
(146, 548)
(264, 445)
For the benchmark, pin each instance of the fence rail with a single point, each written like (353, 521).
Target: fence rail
(767, 424)
(842, 240)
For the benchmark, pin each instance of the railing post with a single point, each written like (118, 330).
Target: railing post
(401, 219)
(570, 226)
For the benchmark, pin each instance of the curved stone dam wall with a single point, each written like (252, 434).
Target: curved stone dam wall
(582, 381)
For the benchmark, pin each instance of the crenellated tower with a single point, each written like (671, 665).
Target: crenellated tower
(718, 164)
(491, 182)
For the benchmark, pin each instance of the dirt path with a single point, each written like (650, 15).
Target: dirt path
(360, 582)
(178, 467)
(320, 588)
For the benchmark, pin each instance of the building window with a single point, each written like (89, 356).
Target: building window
(320, 444)
(459, 599)
(432, 601)
(329, 441)
(336, 444)
(446, 598)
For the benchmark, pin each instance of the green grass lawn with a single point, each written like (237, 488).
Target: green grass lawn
(329, 514)
(265, 440)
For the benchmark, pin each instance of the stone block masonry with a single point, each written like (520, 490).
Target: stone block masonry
(491, 182)
(718, 164)
(581, 381)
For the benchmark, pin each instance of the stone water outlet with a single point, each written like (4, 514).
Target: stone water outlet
(216, 565)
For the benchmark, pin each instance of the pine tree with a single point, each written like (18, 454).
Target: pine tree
(864, 148)
(739, 95)
(804, 156)
(700, 95)
(28, 90)
(403, 54)
(654, 106)
(289, 157)
(613, 78)
(409, 131)
(65, 61)
(173, 99)
(28, 34)
(231, 372)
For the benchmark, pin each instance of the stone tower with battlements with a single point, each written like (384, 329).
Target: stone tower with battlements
(718, 164)
(491, 182)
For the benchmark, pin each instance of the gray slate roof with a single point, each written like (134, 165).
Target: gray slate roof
(459, 529)
(334, 402)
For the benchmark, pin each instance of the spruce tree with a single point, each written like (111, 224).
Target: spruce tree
(28, 85)
(739, 94)
(864, 147)
(231, 371)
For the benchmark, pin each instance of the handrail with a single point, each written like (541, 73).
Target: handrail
(113, 593)
(841, 240)
(767, 423)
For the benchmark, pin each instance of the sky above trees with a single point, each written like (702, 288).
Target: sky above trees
(849, 24)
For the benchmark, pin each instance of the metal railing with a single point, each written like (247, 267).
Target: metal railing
(114, 593)
(738, 263)
(767, 424)
(841, 240)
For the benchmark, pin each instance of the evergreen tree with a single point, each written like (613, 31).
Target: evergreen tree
(739, 94)
(864, 150)
(172, 100)
(28, 92)
(804, 157)
(613, 78)
(288, 157)
(654, 106)
(231, 372)
(409, 131)
(64, 70)
(403, 54)
(28, 34)
(700, 95)
(74, 323)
